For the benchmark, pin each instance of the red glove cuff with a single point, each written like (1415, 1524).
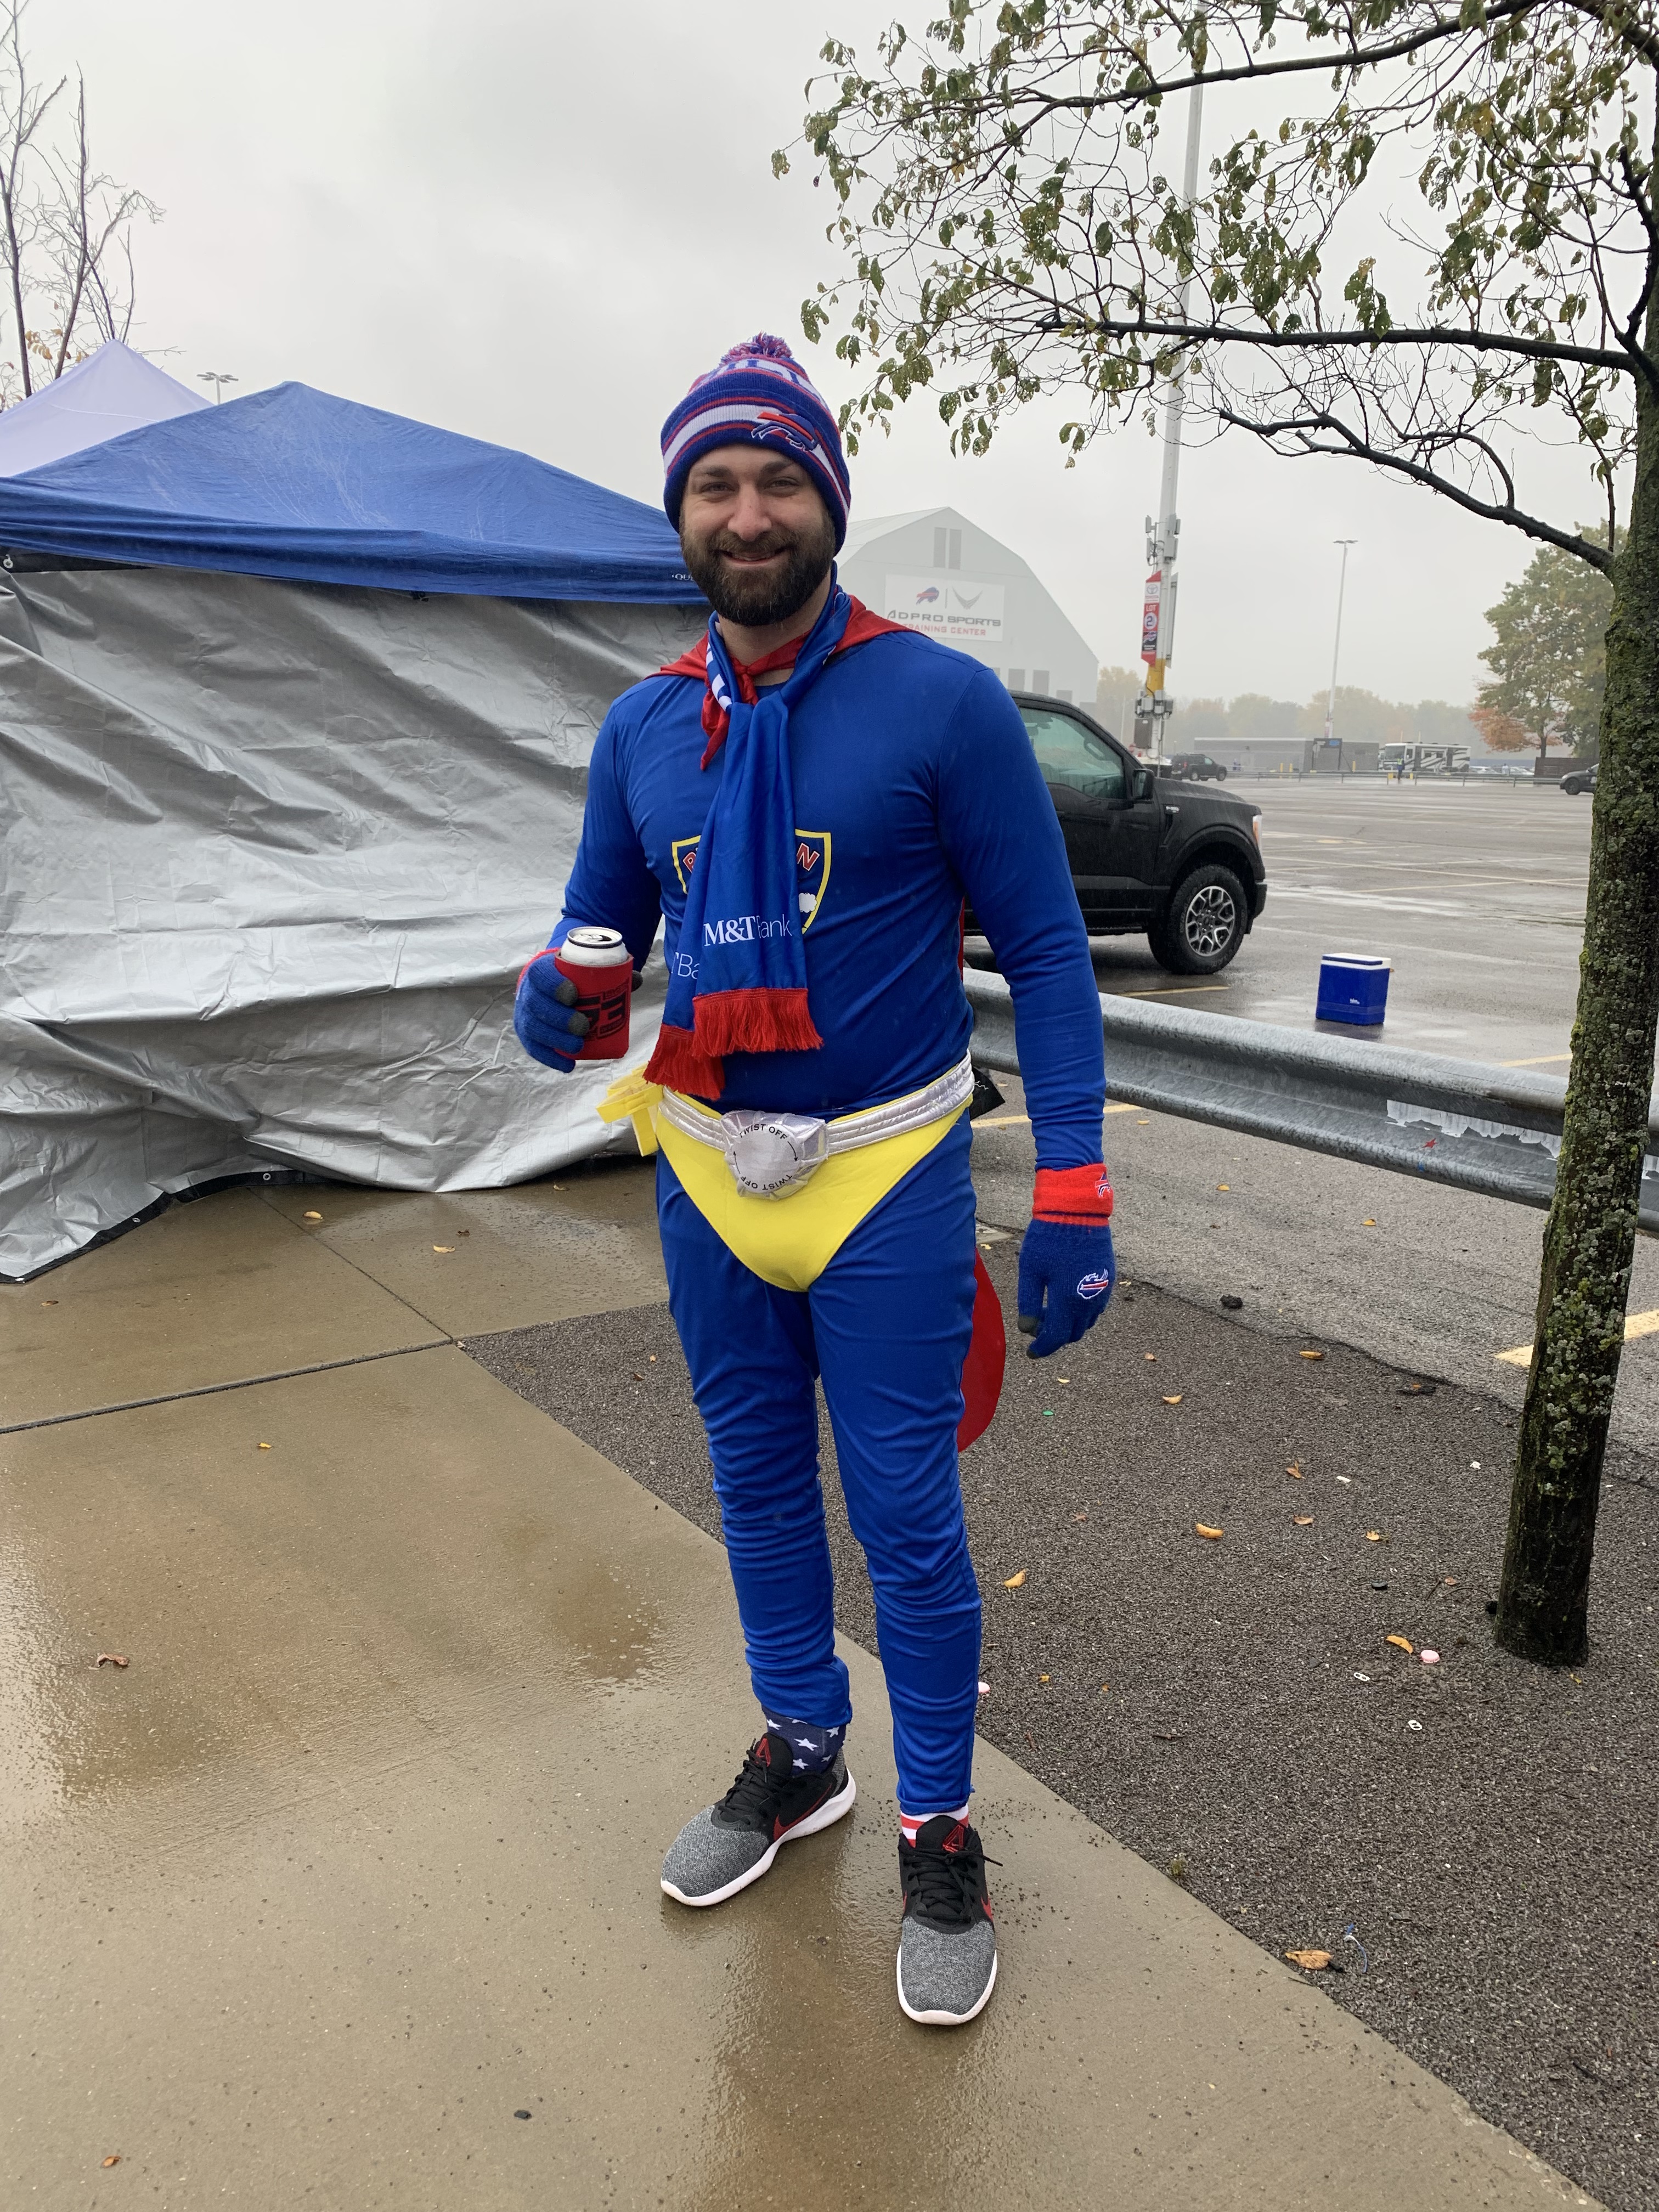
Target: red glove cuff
(1082, 1196)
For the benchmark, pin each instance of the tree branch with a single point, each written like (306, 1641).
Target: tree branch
(1613, 359)
(1350, 446)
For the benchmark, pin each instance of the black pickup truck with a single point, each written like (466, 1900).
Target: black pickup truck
(1179, 860)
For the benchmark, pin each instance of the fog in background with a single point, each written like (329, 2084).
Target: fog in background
(537, 223)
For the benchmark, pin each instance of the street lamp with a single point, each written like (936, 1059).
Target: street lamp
(218, 381)
(1164, 533)
(1336, 648)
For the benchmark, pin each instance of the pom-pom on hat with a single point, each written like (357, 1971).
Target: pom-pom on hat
(759, 395)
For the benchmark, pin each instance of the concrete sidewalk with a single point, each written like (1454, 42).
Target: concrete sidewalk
(356, 1859)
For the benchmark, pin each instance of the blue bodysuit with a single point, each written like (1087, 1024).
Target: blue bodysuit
(917, 789)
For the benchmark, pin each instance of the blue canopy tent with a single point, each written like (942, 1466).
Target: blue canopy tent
(296, 700)
(291, 483)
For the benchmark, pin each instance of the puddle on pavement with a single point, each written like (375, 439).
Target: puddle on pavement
(290, 1616)
(811, 2048)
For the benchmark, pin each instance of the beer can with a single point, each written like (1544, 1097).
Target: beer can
(601, 966)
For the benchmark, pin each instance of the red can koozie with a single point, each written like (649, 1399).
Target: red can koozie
(601, 966)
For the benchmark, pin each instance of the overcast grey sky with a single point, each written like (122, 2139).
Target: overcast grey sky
(536, 221)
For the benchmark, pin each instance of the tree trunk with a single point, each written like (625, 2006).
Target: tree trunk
(1590, 1237)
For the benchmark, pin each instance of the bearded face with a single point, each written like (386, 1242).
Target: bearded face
(757, 540)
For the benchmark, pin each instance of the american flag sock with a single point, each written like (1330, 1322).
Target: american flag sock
(811, 1749)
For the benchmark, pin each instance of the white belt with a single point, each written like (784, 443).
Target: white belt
(770, 1154)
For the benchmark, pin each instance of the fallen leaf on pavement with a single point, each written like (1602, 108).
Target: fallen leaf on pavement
(1313, 1355)
(110, 1658)
(1373, 1535)
(638, 1377)
(1400, 1643)
(1043, 1678)
(115, 2159)
(1450, 1581)
(1224, 1185)
(1175, 1400)
(1312, 1962)
(1081, 1516)
(443, 1248)
(264, 1447)
(1204, 1531)
(48, 1301)
(1304, 1520)
(1148, 1355)
(1296, 1469)
(313, 1216)
(1368, 1222)
(1014, 1581)
(1062, 1379)
(651, 1361)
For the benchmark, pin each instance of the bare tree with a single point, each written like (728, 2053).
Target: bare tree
(65, 226)
(1430, 235)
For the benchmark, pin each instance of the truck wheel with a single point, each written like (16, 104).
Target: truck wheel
(1203, 925)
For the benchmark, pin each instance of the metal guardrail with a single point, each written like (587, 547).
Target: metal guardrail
(1496, 1130)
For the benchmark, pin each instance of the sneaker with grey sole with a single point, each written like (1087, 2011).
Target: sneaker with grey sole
(947, 1958)
(727, 1846)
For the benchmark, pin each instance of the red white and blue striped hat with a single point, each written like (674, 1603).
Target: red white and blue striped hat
(760, 395)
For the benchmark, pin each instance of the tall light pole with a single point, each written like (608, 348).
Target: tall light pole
(217, 380)
(1163, 534)
(1336, 648)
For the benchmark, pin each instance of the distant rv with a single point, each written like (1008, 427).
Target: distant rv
(1423, 760)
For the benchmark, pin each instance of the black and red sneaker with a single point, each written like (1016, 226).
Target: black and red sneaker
(731, 1844)
(947, 1958)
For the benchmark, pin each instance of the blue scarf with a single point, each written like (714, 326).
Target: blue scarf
(738, 977)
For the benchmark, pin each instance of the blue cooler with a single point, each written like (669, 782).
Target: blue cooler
(1353, 987)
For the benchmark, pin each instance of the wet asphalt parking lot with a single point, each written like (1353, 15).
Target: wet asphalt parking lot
(1475, 891)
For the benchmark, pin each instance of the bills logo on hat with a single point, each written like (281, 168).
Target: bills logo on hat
(1095, 1286)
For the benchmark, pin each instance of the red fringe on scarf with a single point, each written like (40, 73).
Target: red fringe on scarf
(755, 1021)
(680, 1064)
(730, 1021)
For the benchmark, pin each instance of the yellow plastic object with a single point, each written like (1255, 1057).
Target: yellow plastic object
(789, 1241)
(631, 1098)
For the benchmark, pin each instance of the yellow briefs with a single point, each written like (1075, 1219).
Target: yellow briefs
(787, 1242)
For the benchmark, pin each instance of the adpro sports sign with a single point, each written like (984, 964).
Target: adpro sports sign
(954, 608)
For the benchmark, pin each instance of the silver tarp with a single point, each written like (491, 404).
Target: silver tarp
(271, 856)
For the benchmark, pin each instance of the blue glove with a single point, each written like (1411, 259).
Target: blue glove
(1066, 1266)
(543, 1016)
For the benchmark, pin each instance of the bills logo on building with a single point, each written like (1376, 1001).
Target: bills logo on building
(812, 872)
(928, 596)
(1097, 1285)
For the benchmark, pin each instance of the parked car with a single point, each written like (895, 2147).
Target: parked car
(1580, 780)
(1182, 863)
(1196, 768)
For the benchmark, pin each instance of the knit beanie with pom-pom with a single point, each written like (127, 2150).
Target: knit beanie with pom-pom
(759, 395)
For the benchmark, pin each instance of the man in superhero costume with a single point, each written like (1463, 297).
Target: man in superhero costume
(804, 801)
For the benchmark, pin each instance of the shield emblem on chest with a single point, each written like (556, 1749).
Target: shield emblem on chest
(812, 872)
(683, 854)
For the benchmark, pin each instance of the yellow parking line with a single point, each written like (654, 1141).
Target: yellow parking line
(1174, 990)
(1543, 1059)
(1642, 1324)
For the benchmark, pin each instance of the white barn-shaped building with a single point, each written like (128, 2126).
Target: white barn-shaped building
(936, 571)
